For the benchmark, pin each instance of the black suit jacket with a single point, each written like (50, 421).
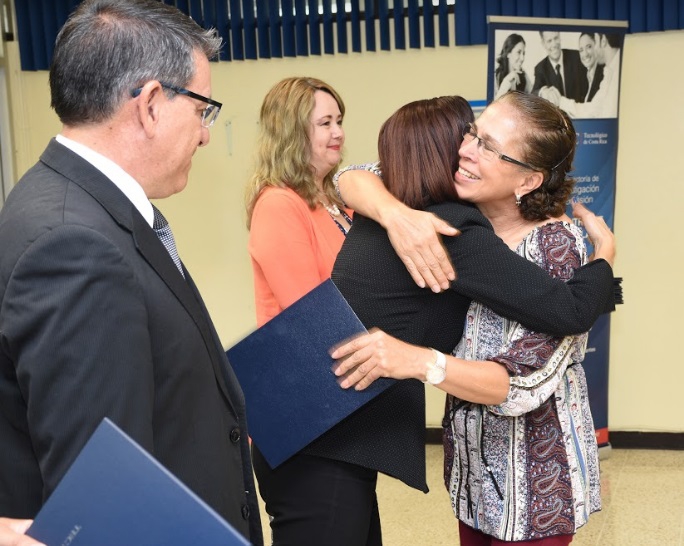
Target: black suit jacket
(95, 321)
(574, 75)
(596, 82)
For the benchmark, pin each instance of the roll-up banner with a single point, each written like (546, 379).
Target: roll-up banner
(576, 65)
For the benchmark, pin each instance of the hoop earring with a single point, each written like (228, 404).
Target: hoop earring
(517, 199)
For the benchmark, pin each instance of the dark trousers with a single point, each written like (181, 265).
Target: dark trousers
(315, 501)
(472, 537)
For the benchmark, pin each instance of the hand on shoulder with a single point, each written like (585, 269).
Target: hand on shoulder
(415, 236)
(598, 232)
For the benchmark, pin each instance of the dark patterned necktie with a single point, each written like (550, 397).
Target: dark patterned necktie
(559, 80)
(163, 230)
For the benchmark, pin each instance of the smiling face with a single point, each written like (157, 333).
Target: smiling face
(552, 45)
(325, 134)
(516, 57)
(489, 182)
(587, 51)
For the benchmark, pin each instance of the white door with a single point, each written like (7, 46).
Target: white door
(6, 175)
(5, 140)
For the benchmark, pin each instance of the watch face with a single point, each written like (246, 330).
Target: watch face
(435, 375)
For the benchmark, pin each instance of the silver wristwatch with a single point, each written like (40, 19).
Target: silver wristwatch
(436, 372)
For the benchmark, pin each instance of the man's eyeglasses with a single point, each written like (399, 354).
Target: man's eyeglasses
(209, 114)
(486, 151)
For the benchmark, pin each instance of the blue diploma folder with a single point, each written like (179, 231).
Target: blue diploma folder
(115, 493)
(285, 371)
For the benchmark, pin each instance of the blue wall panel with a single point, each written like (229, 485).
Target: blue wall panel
(355, 26)
(369, 20)
(274, 23)
(328, 35)
(414, 24)
(383, 16)
(249, 29)
(254, 29)
(288, 26)
(341, 25)
(301, 35)
(428, 24)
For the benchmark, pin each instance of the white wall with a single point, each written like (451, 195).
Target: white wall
(646, 371)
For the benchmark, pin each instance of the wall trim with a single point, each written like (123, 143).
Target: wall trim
(646, 440)
(433, 435)
(618, 439)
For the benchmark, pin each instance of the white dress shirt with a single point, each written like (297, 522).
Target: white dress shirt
(605, 102)
(120, 178)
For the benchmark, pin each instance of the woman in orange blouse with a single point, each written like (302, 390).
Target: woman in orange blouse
(297, 225)
(296, 220)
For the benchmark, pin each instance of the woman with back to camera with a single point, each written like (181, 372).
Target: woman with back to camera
(510, 75)
(521, 461)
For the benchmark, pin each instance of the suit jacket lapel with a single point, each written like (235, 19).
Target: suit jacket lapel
(596, 82)
(105, 192)
(184, 289)
(221, 364)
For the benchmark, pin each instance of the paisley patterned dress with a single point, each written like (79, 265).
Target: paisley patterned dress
(527, 468)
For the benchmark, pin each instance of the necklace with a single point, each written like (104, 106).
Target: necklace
(332, 208)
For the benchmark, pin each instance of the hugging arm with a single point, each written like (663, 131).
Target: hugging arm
(490, 273)
(512, 287)
(415, 235)
(497, 383)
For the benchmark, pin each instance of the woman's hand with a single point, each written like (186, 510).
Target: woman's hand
(551, 94)
(366, 358)
(510, 81)
(415, 236)
(600, 236)
(12, 533)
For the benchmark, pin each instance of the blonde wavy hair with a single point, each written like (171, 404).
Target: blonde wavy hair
(283, 157)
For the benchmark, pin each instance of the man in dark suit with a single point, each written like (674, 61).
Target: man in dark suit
(588, 52)
(560, 69)
(596, 80)
(98, 317)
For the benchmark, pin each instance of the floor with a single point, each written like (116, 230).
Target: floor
(642, 492)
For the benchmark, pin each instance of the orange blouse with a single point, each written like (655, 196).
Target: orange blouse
(292, 248)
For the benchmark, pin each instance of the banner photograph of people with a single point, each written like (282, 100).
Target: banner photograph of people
(578, 71)
(576, 65)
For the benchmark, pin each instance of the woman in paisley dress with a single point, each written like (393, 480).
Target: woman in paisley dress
(521, 459)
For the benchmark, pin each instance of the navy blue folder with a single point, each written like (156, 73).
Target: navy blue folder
(285, 371)
(115, 493)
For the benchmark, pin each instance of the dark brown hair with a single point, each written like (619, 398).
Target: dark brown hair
(503, 67)
(418, 149)
(547, 142)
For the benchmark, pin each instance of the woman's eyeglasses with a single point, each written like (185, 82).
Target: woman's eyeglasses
(486, 151)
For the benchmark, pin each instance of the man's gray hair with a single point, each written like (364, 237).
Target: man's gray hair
(107, 48)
